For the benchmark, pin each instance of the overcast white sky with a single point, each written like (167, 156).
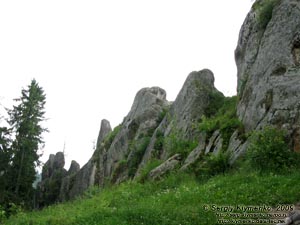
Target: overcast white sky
(91, 57)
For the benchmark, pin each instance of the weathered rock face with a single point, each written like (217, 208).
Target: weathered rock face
(52, 174)
(268, 63)
(123, 152)
(131, 141)
(68, 181)
(76, 183)
(105, 129)
(267, 58)
(165, 167)
(195, 155)
(236, 147)
(193, 101)
(79, 180)
(55, 162)
(74, 167)
(58, 184)
(118, 152)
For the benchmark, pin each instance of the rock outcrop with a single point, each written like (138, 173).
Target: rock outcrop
(76, 183)
(52, 175)
(194, 101)
(195, 155)
(79, 180)
(268, 63)
(267, 58)
(54, 163)
(74, 168)
(123, 152)
(121, 158)
(165, 167)
(105, 129)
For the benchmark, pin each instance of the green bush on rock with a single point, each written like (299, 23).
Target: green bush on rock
(224, 120)
(269, 151)
(212, 164)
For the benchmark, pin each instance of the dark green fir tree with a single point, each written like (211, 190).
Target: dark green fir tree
(26, 121)
(5, 159)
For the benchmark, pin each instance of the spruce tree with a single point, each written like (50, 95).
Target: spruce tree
(5, 159)
(26, 121)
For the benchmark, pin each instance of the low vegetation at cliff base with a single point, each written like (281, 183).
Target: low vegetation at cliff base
(269, 151)
(179, 199)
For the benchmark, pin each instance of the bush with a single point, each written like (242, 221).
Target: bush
(159, 144)
(121, 166)
(212, 165)
(216, 100)
(269, 151)
(162, 114)
(224, 120)
(111, 136)
(138, 149)
(2, 214)
(174, 144)
(147, 168)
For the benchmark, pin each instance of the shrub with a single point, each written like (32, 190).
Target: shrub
(212, 165)
(2, 214)
(147, 168)
(111, 136)
(121, 166)
(269, 151)
(216, 100)
(138, 149)
(224, 120)
(162, 114)
(174, 144)
(159, 144)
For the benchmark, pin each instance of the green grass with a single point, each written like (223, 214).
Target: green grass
(179, 199)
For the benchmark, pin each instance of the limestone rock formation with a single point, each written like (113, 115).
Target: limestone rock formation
(195, 154)
(267, 58)
(132, 138)
(52, 175)
(74, 167)
(105, 129)
(55, 162)
(195, 99)
(79, 180)
(236, 147)
(75, 184)
(268, 63)
(64, 192)
(165, 167)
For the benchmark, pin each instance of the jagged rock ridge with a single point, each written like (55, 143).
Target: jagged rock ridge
(268, 60)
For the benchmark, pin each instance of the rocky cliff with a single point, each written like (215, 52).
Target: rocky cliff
(267, 58)
(201, 121)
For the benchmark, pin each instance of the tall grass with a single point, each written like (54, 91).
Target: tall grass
(179, 199)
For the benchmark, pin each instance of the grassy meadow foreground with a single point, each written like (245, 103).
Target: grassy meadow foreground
(178, 199)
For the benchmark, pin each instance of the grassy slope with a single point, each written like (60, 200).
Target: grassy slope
(179, 199)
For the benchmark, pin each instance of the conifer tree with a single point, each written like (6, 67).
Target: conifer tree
(26, 121)
(5, 159)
